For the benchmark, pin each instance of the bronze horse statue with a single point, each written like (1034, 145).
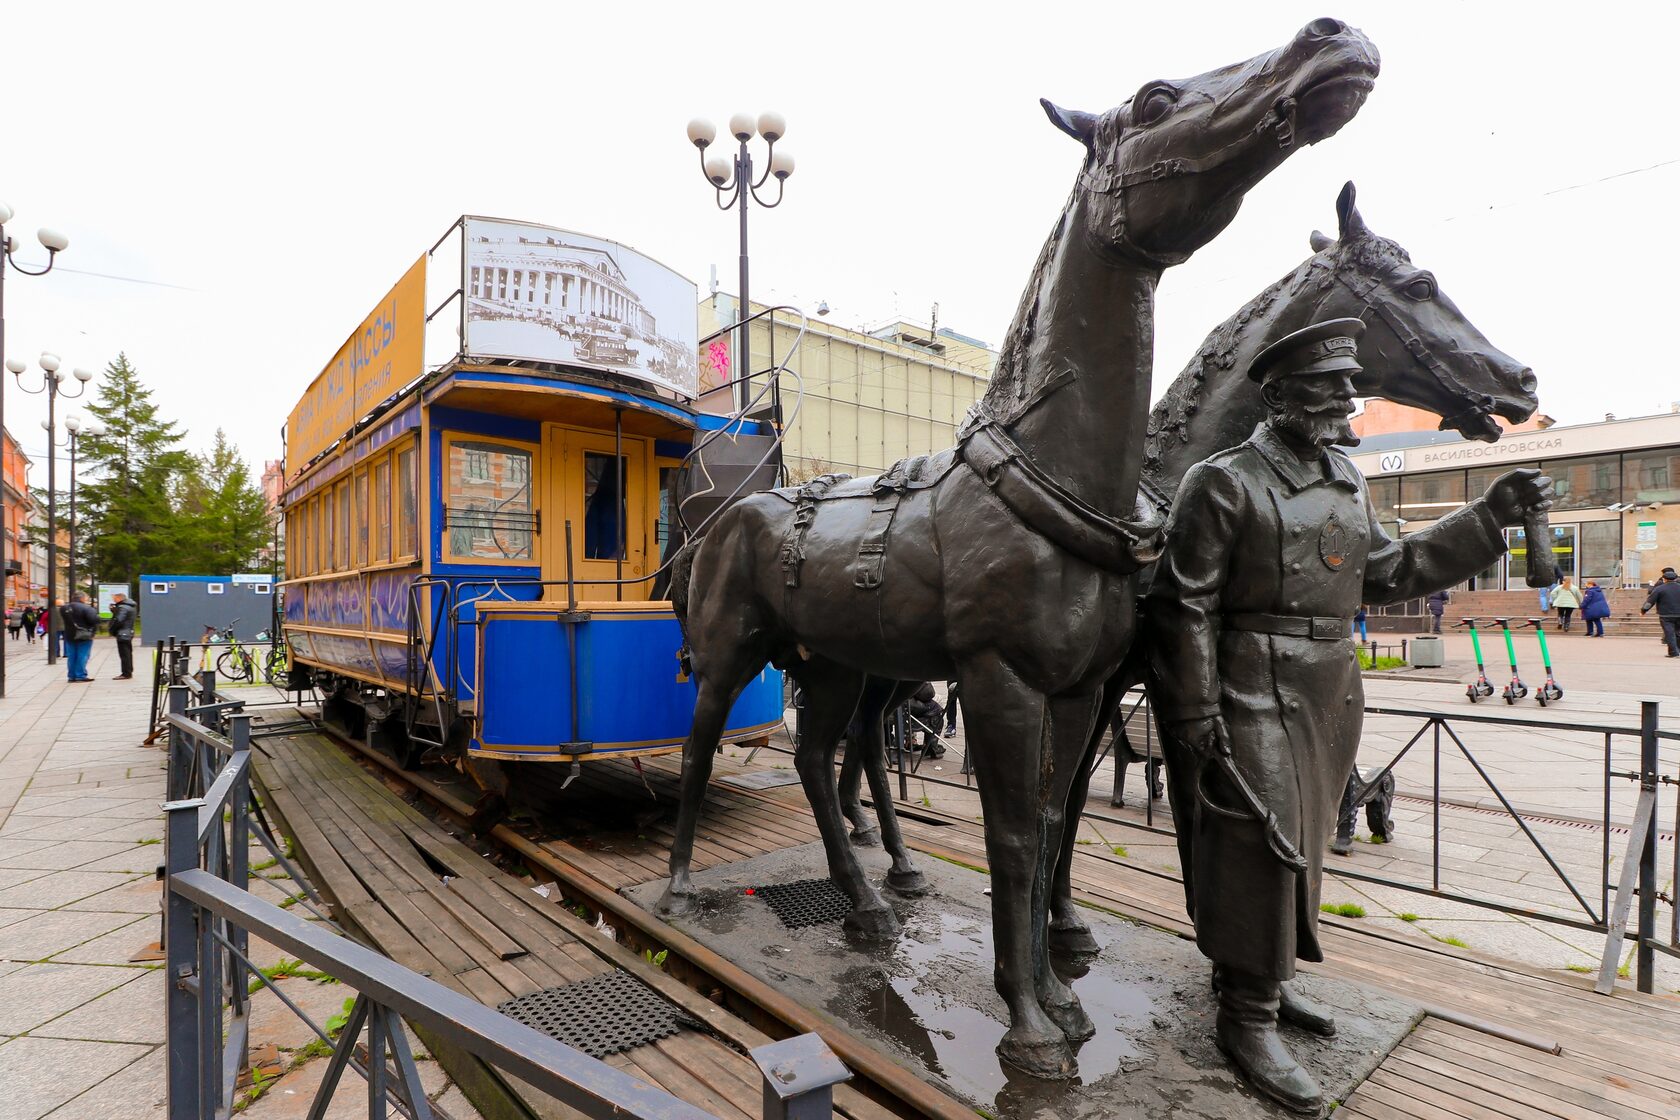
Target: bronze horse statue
(1451, 370)
(1420, 350)
(1008, 563)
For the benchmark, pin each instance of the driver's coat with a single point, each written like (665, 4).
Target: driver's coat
(1255, 530)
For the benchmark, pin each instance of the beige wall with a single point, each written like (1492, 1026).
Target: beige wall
(868, 402)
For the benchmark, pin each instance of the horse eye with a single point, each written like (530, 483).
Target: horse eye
(1156, 105)
(1421, 288)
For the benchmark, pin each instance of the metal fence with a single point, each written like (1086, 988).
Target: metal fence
(209, 917)
(1621, 907)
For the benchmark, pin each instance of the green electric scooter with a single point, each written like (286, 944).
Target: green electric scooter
(1481, 686)
(1549, 691)
(1516, 690)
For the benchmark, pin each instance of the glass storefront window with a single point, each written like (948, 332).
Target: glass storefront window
(1385, 499)
(1564, 549)
(1428, 497)
(1478, 479)
(1585, 483)
(1601, 552)
(1652, 476)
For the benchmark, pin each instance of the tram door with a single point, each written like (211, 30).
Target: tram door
(601, 504)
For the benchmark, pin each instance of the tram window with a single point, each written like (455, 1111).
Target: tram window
(604, 508)
(382, 510)
(662, 530)
(490, 512)
(408, 497)
(341, 553)
(361, 514)
(328, 537)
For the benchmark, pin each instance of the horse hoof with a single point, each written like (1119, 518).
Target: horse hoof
(1070, 1017)
(866, 837)
(911, 883)
(1040, 1056)
(875, 924)
(1073, 941)
(675, 905)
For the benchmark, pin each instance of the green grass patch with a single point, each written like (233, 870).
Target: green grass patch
(153, 840)
(285, 967)
(958, 863)
(1118, 849)
(1381, 663)
(1407, 916)
(1343, 909)
(265, 865)
(1450, 940)
(1581, 968)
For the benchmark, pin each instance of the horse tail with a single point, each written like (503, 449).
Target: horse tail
(682, 576)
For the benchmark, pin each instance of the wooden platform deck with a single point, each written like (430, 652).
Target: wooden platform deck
(1621, 1054)
(427, 900)
(1618, 1054)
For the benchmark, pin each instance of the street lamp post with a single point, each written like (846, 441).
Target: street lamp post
(78, 430)
(52, 374)
(54, 243)
(732, 179)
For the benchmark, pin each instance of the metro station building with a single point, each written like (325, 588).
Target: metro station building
(1617, 515)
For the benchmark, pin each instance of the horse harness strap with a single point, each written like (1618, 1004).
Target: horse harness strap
(1369, 290)
(805, 501)
(1052, 510)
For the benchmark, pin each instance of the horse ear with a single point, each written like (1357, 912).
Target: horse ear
(1347, 214)
(1081, 126)
(1319, 242)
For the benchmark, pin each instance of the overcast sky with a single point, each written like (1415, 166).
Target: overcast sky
(260, 175)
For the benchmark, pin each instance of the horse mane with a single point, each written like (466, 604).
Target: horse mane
(1366, 253)
(1010, 388)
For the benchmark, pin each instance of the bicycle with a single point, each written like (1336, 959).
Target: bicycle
(234, 663)
(277, 665)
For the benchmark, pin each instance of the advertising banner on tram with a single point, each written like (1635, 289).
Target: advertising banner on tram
(537, 293)
(385, 353)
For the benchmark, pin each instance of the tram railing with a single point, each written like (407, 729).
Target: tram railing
(1620, 906)
(210, 916)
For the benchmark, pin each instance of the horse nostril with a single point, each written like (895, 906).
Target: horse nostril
(1528, 381)
(1325, 27)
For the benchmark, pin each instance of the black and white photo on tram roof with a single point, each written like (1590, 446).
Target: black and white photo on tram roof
(550, 295)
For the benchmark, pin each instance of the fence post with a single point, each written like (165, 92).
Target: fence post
(1647, 928)
(180, 750)
(239, 873)
(157, 688)
(898, 734)
(180, 939)
(799, 1078)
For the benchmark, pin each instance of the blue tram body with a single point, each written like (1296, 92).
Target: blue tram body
(464, 562)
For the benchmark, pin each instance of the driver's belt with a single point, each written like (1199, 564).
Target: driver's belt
(1319, 629)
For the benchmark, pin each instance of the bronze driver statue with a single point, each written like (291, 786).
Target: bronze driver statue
(1272, 546)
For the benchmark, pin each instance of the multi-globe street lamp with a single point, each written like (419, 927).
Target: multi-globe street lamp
(54, 243)
(52, 375)
(732, 178)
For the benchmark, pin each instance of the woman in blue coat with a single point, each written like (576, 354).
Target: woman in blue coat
(1595, 608)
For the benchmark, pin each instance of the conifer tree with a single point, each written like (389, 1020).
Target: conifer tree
(225, 520)
(128, 523)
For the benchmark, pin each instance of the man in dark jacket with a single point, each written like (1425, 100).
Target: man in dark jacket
(1665, 596)
(1437, 604)
(122, 629)
(81, 623)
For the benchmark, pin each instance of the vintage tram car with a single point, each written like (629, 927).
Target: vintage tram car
(473, 540)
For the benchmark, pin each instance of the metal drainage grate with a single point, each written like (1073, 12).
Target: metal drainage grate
(807, 902)
(605, 1014)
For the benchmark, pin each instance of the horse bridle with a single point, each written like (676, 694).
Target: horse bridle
(1369, 291)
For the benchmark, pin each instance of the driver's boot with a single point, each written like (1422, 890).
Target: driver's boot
(1246, 1030)
(1309, 1015)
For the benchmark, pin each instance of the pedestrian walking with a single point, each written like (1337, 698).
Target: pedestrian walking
(950, 708)
(1546, 600)
(81, 623)
(1437, 604)
(14, 623)
(31, 623)
(1359, 624)
(1566, 599)
(1665, 596)
(1595, 608)
(122, 629)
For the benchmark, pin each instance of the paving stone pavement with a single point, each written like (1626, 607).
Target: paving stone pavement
(81, 1021)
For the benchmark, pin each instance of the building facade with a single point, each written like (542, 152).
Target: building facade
(1617, 515)
(16, 507)
(871, 398)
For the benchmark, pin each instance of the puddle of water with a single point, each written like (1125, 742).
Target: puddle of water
(933, 996)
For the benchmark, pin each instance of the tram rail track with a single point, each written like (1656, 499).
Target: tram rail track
(701, 969)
